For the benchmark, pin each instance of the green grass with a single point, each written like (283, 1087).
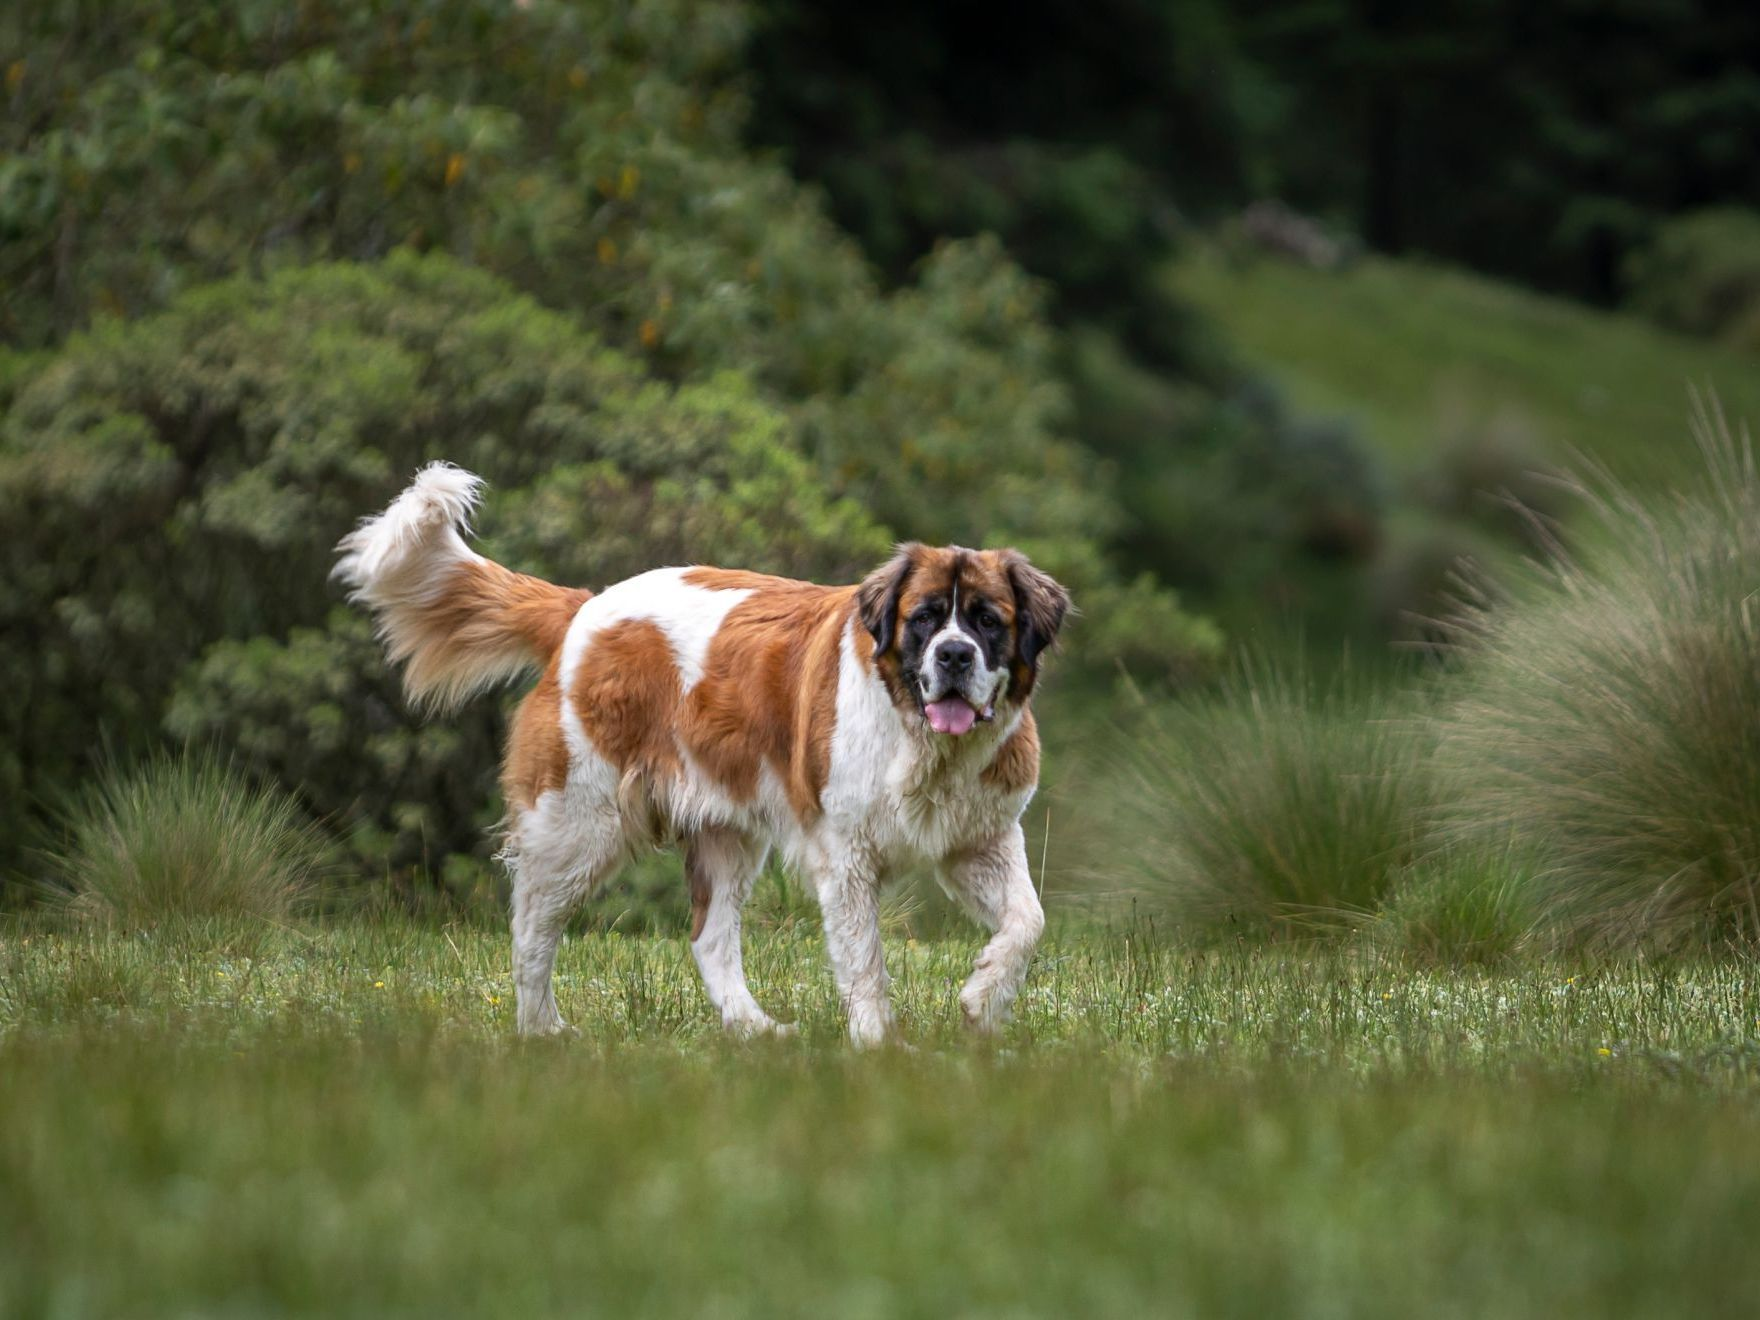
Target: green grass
(1414, 353)
(343, 1124)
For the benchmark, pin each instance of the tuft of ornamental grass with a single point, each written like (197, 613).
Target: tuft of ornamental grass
(1282, 806)
(183, 839)
(1610, 715)
(1464, 906)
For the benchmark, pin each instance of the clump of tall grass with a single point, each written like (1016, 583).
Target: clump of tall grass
(1472, 905)
(1284, 805)
(1612, 715)
(183, 838)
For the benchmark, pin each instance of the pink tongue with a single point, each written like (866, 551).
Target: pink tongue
(951, 715)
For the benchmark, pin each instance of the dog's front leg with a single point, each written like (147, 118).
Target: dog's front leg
(849, 899)
(994, 883)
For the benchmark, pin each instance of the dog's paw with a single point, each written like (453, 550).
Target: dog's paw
(761, 1025)
(557, 1030)
(981, 1010)
(872, 1029)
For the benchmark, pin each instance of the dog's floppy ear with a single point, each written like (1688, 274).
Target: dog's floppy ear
(877, 597)
(1039, 606)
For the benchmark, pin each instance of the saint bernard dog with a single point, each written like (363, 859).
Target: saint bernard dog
(855, 729)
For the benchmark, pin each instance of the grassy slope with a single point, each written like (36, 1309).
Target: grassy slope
(1407, 350)
(340, 1123)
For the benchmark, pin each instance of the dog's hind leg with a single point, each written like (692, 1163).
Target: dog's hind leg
(721, 865)
(557, 856)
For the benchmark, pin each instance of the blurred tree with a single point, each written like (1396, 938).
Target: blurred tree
(1067, 131)
(1701, 275)
(1536, 140)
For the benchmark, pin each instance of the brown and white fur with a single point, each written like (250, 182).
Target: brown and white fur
(857, 730)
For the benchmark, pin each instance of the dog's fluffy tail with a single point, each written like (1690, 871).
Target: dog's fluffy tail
(457, 622)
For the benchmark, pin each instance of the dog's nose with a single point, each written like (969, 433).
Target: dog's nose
(956, 658)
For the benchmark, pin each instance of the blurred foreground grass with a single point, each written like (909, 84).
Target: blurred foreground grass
(339, 1121)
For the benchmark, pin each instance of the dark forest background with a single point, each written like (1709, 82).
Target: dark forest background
(1545, 143)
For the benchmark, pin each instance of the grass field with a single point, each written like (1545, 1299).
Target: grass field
(1411, 352)
(338, 1120)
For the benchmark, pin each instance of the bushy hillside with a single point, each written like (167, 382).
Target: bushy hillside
(1422, 357)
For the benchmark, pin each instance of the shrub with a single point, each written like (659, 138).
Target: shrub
(1254, 508)
(1282, 806)
(1492, 469)
(1611, 715)
(171, 489)
(1421, 572)
(184, 838)
(1701, 272)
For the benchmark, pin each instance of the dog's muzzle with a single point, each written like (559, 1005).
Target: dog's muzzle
(958, 692)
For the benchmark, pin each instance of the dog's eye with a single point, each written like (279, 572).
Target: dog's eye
(924, 615)
(987, 619)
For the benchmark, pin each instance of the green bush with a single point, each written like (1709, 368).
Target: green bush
(1282, 806)
(1491, 469)
(1610, 716)
(182, 839)
(177, 143)
(171, 490)
(1257, 511)
(1701, 273)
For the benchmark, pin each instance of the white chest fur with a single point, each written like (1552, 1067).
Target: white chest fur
(898, 789)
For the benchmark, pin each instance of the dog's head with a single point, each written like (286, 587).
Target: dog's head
(958, 633)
